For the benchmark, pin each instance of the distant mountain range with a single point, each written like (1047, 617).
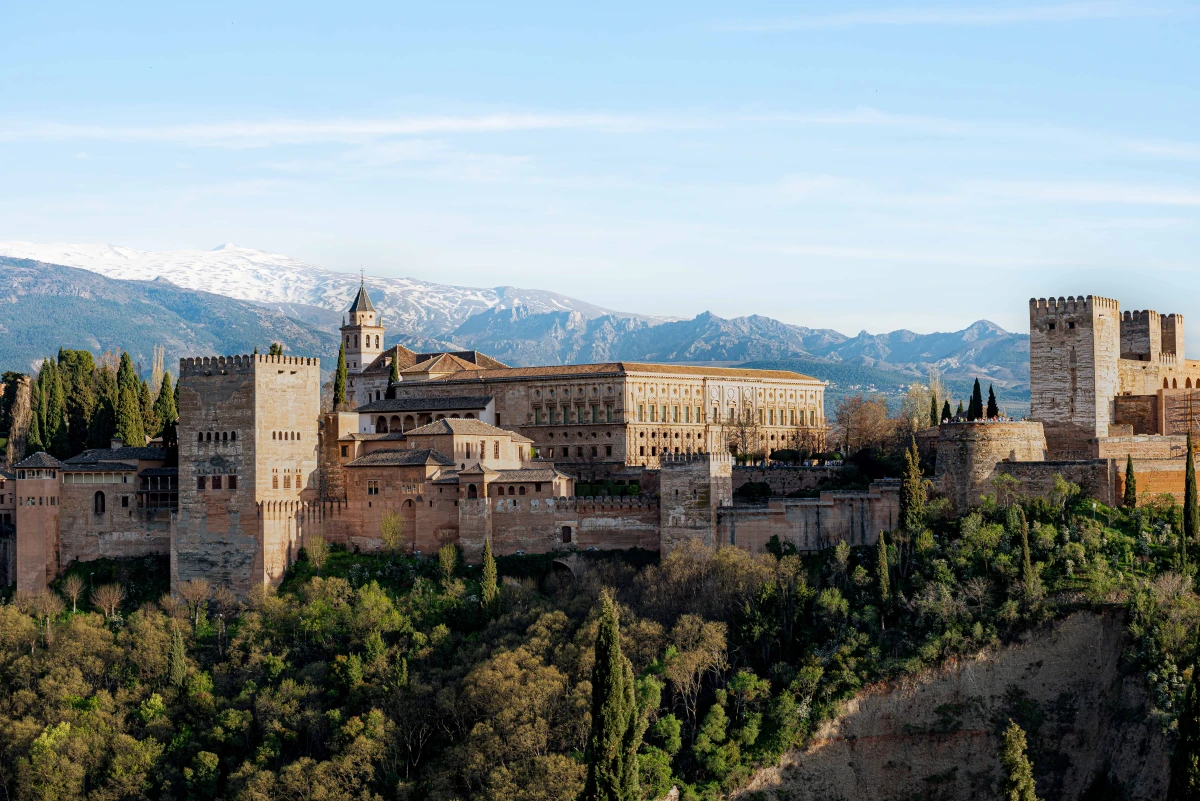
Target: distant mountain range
(277, 297)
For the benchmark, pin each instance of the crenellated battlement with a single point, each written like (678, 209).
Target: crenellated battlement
(1140, 316)
(242, 363)
(1071, 304)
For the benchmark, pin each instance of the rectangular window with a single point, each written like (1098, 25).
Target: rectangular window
(715, 415)
(287, 480)
(608, 450)
(641, 450)
(216, 482)
(698, 418)
(579, 451)
(232, 482)
(653, 414)
(345, 451)
(664, 413)
(549, 453)
(730, 412)
(275, 482)
(496, 449)
(653, 451)
(537, 416)
(373, 487)
(674, 414)
(200, 482)
(793, 417)
(762, 416)
(608, 413)
(687, 414)
(772, 417)
(641, 413)
(497, 419)
(468, 447)
(812, 418)
(594, 451)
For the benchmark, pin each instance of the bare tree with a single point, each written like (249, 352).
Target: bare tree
(743, 436)
(108, 597)
(195, 593)
(22, 415)
(862, 422)
(317, 550)
(72, 587)
(45, 606)
(156, 371)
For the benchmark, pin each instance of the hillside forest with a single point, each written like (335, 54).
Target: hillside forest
(389, 676)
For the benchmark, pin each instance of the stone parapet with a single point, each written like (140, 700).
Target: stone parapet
(967, 455)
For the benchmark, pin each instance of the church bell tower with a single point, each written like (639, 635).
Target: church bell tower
(362, 335)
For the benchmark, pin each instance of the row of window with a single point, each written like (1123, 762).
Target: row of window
(216, 436)
(96, 478)
(366, 341)
(665, 450)
(98, 502)
(30, 501)
(287, 480)
(287, 435)
(216, 482)
(580, 450)
(555, 415)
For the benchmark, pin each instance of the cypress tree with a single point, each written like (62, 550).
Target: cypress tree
(993, 410)
(177, 659)
(104, 418)
(933, 410)
(276, 349)
(946, 413)
(54, 434)
(394, 376)
(78, 371)
(1130, 499)
(1018, 783)
(881, 571)
(33, 442)
(912, 493)
(488, 588)
(975, 407)
(1185, 761)
(612, 767)
(164, 405)
(1191, 514)
(128, 409)
(1028, 576)
(175, 400)
(959, 413)
(151, 425)
(339, 380)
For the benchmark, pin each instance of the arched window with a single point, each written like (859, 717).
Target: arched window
(98, 501)
(381, 425)
(521, 491)
(472, 492)
(512, 490)
(408, 504)
(208, 436)
(273, 435)
(233, 436)
(224, 436)
(200, 434)
(377, 340)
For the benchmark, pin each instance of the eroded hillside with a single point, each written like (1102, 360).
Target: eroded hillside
(936, 736)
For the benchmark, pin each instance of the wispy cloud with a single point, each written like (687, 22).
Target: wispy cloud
(1093, 192)
(952, 16)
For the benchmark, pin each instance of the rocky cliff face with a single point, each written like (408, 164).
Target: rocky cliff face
(936, 736)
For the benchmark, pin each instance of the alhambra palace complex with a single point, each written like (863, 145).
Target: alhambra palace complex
(466, 449)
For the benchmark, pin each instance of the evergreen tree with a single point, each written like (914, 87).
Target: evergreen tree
(612, 764)
(77, 369)
(129, 427)
(488, 588)
(912, 493)
(1018, 783)
(164, 405)
(103, 424)
(1185, 761)
(1018, 526)
(151, 425)
(959, 413)
(394, 376)
(933, 410)
(975, 407)
(176, 400)
(1130, 499)
(881, 571)
(54, 435)
(993, 410)
(33, 443)
(276, 349)
(946, 413)
(1191, 515)
(339, 380)
(177, 659)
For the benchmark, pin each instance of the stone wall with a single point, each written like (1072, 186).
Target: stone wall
(786, 479)
(691, 492)
(1141, 447)
(968, 453)
(1154, 477)
(122, 530)
(1140, 412)
(811, 524)
(545, 525)
(38, 558)
(1036, 479)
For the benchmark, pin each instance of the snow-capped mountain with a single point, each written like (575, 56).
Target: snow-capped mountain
(421, 310)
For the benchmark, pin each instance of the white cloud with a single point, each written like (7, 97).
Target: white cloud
(1093, 192)
(955, 16)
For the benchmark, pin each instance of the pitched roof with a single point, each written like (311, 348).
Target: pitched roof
(362, 303)
(471, 356)
(125, 453)
(359, 436)
(462, 426)
(160, 471)
(39, 459)
(402, 457)
(440, 363)
(427, 404)
(530, 474)
(99, 467)
(383, 362)
(478, 470)
(7, 474)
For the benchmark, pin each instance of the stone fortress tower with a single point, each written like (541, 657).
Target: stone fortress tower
(247, 441)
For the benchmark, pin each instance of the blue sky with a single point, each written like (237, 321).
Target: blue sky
(858, 165)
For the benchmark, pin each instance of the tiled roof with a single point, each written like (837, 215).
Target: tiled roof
(472, 356)
(530, 474)
(441, 363)
(402, 457)
(383, 362)
(619, 369)
(98, 467)
(478, 470)
(427, 404)
(7, 474)
(160, 471)
(461, 426)
(446, 477)
(359, 436)
(125, 453)
(362, 303)
(41, 459)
